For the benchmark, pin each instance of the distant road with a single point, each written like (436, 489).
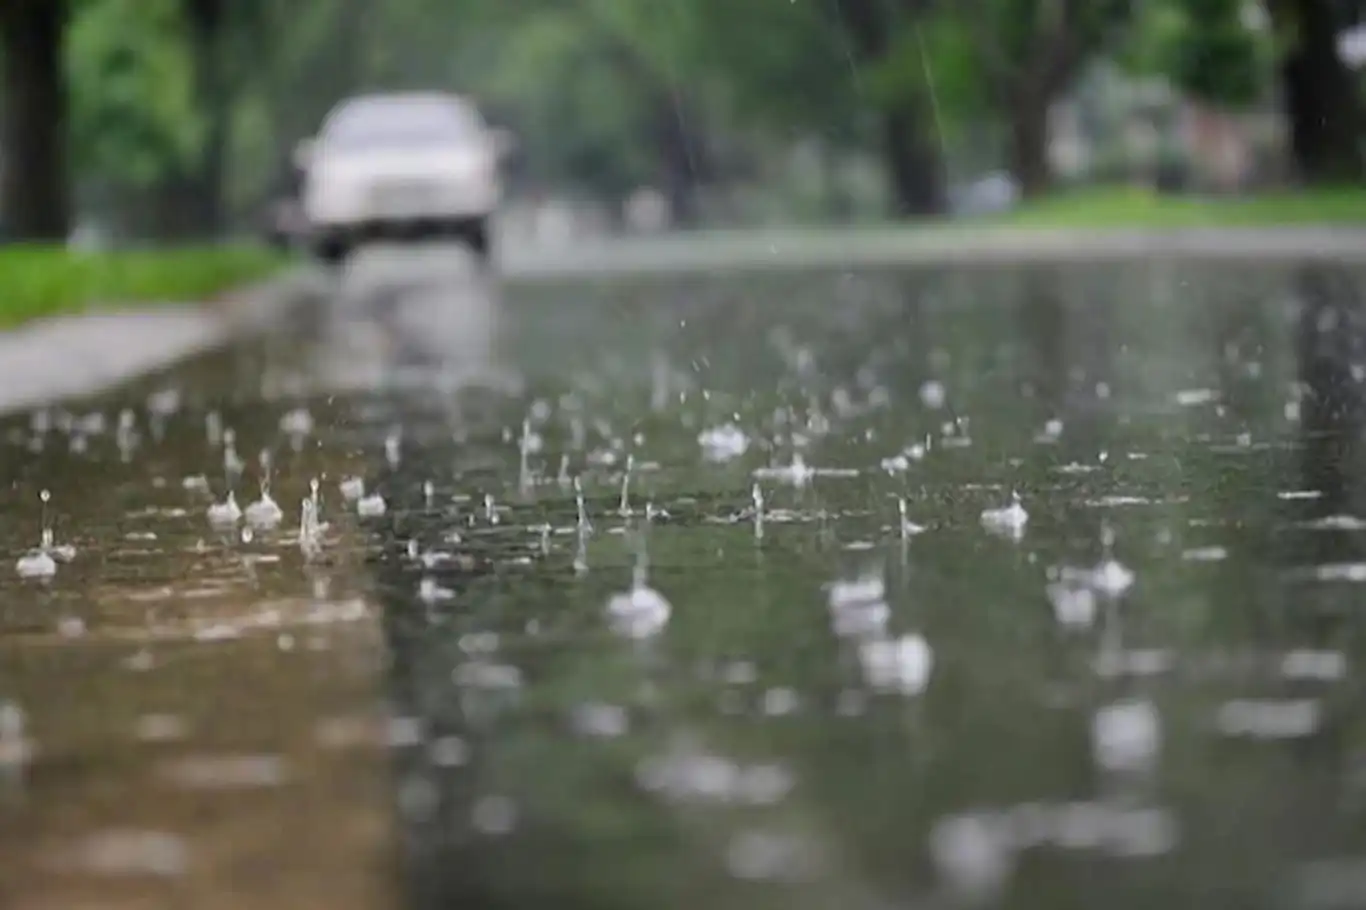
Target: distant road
(81, 354)
(965, 245)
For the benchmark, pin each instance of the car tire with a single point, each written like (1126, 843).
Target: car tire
(478, 238)
(332, 250)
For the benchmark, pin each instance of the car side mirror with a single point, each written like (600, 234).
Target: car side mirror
(504, 143)
(303, 153)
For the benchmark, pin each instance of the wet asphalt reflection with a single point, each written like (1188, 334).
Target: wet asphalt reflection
(1027, 587)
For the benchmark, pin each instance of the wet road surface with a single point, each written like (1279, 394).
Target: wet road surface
(1027, 587)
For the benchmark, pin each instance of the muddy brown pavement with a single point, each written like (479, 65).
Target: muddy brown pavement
(188, 714)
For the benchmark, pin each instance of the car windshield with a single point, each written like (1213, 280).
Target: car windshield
(399, 122)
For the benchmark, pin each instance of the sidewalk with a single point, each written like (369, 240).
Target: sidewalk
(83, 353)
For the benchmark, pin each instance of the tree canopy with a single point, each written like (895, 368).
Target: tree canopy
(201, 99)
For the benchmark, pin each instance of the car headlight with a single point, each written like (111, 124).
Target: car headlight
(327, 196)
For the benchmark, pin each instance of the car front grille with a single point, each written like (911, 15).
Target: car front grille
(403, 195)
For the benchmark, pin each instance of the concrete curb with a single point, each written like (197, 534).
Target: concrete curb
(49, 360)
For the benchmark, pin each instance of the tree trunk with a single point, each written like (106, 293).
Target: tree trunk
(206, 183)
(35, 185)
(913, 163)
(1029, 146)
(914, 166)
(680, 157)
(1320, 95)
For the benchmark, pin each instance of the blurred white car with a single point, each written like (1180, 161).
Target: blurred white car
(409, 164)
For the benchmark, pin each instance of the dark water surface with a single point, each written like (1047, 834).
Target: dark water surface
(831, 707)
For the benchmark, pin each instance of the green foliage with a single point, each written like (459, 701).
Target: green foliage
(940, 59)
(133, 112)
(582, 98)
(45, 280)
(1108, 207)
(586, 84)
(979, 59)
(1206, 48)
(590, 86)
(780, 65)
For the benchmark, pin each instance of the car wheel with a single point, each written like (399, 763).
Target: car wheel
(477, 237)
(332, 250)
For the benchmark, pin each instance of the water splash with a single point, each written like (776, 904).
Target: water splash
(265, 513)
(896, 464)
(585, 526)
(899, 665)
(624, 508)
(310, 529)
(297, 425)
(352, 488)
(225, 514)
(641, 612)
(797, 473)
(526, 446)
(1074, 603)
(233, 465)
(1110, 578)
(62, 552)
(430, 592)
(1126, 735)
(1007, 522)
(581, 550)
(907, 527)
(858, 607)
(756, 496)
(723, 443)
(371, 506)
(126, 435)
(39, 563)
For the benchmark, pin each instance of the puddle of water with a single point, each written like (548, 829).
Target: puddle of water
(876, 683)
(725, 601)
(165, 676)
